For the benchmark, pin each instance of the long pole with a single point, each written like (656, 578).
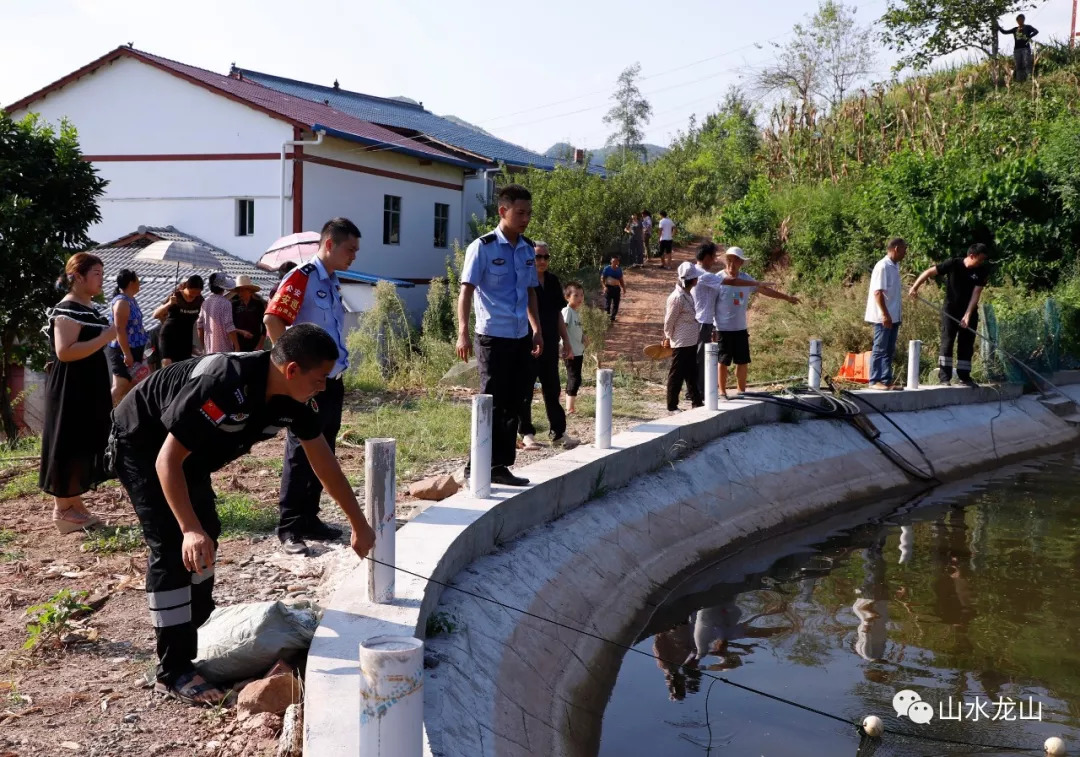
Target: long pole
(380, 490)
(480, 454)
(605, 382)
(1072, 34)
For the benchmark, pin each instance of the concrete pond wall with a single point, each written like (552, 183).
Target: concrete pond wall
(600, 533)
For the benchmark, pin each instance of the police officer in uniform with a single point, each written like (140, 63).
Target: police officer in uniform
(177, 427)
(311, 294)
(499, 276)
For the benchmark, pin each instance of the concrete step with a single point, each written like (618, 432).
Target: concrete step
(1073, 419)
(1060, 406)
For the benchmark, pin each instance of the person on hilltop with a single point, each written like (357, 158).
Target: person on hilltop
(729, 320)
(248, 310)
(611, 279)
(499, 277)
(312, 294)
(178, 314)
(78, 399)
(181, 425)
(667, 238)
(883, 310)
(1022, 35)
(965, 279)
(575, 331)
(217, 332)
(131, 338)
(681, 334)
(545, 368)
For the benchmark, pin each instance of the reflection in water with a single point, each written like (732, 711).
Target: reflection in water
(981, 602)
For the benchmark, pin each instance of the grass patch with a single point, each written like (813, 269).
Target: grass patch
(24, 446)
(427, 429)
(114, 541)
(22, 485)
(253, 463)
(7, 539)
(243, 515)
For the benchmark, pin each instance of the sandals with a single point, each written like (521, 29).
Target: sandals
(72, 520)
(185, 690)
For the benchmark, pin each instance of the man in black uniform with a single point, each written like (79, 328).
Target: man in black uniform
(177, 427)
(965, 279)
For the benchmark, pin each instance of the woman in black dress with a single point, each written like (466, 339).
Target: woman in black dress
(178, 316)
(78, 398)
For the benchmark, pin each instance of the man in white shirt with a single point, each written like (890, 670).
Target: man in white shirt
(667, 238)
(883, 310)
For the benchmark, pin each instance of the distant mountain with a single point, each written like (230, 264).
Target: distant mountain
(565, 151)
(466, 124)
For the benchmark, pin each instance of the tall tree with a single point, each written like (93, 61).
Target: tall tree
(629, 114)
(826, 56)
(48, 199)
(927, 29)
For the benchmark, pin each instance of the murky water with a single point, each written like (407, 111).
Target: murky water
(969, 597)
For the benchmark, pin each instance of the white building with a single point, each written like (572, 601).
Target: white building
(211, 154)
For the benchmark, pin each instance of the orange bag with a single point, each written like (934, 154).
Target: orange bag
(856, 368)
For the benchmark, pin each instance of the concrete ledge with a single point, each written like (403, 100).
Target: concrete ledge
(782, 471)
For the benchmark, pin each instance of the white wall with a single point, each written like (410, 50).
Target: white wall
(331, 191)
(477, 192)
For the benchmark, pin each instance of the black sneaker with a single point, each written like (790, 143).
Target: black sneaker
(969, 383)
(293, 545)
(502, 475)
(318, 530)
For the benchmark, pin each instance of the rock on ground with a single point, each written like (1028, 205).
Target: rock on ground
(435, 488)
(272, 695)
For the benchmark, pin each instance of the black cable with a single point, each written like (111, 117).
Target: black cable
(705, 673)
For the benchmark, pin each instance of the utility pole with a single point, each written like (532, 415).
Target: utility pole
(1072, 34)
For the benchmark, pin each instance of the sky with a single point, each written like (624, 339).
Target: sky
(534, 73)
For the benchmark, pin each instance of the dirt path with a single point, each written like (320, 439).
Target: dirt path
(641, 313)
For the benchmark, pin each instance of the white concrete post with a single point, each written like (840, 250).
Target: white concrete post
(392, 697)
(605, 379)
(814, 379)
(480, 457)
(380, 494)
(712, 380)
(914, 352)
(907, 543)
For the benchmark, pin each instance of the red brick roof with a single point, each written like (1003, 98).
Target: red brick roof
(295, 110)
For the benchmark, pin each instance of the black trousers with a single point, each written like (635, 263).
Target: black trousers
(298, 503)
(705, 331)
(180, 601)
(965, 346)
(612, 298)
(573, 374)
(505, 374)
(683, 369)
(546, 369)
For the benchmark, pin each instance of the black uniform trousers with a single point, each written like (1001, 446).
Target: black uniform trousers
(546, 369)
(298, 503)
(965, 345)
(705, 331)
(505, 374)
(683, 369)
(180, 601)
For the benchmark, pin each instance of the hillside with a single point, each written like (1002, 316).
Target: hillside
(565, 151)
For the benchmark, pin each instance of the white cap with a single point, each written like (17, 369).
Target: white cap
(736, 251)
(688, 271)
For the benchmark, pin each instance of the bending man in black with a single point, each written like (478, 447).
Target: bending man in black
(187, 421)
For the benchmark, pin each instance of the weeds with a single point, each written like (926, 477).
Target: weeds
(441, 623)
(243, 515)
(119, 539)
(8, 538)
(50, 621)
(22, 485)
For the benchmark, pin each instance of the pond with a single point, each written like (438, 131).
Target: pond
(968, 596)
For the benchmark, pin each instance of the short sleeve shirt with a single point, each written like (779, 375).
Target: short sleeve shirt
(215, 406)
(646, 224)
(550, 302)
(574, 330)
(667, 227)
(311, 294)
(611, 276)
(705, 293)
(502, 274)
(216, 321)
(960, 282)
(731, 303)
(886, 278)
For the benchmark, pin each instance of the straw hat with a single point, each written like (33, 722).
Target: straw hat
(243, 281)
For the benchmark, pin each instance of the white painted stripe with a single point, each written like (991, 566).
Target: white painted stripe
(175, 617)
(963, 365)
(206, 576)
(942, 360)
(168, 598)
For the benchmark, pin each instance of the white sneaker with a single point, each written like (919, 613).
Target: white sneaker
(565, 441)
(530, 443)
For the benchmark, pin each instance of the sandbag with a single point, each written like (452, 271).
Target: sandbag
(244, 641)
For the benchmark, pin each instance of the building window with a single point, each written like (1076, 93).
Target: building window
(245, 218)
(391, 220)
(442, 224)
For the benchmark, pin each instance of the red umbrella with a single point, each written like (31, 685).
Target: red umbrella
(294, 248)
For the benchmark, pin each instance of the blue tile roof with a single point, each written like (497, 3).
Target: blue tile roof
(405, 115)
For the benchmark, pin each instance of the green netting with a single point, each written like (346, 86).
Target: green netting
(1035, 336)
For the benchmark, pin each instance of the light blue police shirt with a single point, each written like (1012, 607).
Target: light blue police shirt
(311, 294)
(502, 273)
